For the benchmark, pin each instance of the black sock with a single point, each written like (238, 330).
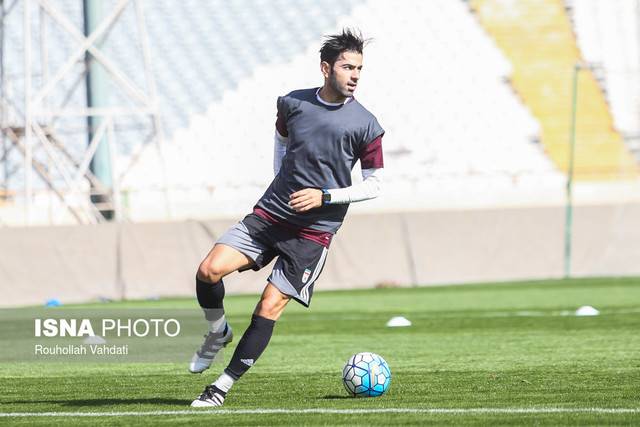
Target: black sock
(251, 346)
(210, 295)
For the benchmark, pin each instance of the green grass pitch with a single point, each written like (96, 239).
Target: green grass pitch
(492, 354)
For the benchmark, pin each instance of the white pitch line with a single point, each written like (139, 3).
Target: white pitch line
(433, 411)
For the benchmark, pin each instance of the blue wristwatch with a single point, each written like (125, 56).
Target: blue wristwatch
(326, 197)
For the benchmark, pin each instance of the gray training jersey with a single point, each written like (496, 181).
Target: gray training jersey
(325, 142)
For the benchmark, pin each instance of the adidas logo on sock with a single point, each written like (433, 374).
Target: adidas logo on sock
(248, 362)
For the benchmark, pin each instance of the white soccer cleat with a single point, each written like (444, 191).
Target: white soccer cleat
(210, 397)
(213, 343)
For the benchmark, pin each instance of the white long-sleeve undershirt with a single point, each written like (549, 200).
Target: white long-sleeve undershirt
(368, 189)
(279, 150)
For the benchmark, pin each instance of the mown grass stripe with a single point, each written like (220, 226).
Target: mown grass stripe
(426, 411)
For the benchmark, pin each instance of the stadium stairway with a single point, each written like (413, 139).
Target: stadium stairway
(607, 34)
(537, 37)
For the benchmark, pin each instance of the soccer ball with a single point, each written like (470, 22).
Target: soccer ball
(366, 375)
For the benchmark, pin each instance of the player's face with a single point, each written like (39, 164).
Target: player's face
(343, 77)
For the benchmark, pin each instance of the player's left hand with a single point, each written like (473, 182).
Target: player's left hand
(304, 200)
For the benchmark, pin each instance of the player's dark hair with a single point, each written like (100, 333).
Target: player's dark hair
(349, 40)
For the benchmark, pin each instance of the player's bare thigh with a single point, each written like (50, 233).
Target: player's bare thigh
(272, 303)
(220, 261)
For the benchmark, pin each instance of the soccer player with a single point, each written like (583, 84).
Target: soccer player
(320, 134)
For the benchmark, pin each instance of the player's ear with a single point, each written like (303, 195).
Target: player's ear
(325, 68)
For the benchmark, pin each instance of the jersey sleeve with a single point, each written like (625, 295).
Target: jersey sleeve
(371, 156)
(281, 117)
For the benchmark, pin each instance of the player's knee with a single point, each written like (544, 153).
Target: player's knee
(210, 271)
(268, 311)
(270, 308)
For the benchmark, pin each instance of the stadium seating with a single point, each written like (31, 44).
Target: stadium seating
(452, 119)
(607, 34)
(538, 39)
(457, 133)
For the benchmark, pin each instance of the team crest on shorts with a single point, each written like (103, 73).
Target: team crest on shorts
(305, 275)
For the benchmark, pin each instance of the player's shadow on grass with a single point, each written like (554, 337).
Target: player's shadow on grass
(336, 397)
(108, 402)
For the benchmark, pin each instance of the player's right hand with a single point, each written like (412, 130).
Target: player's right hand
(307, 199)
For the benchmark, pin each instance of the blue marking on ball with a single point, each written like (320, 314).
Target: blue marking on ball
(366, 375)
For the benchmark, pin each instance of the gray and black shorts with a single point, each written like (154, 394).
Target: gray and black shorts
(300, 261)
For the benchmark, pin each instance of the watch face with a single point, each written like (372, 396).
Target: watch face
(326, 197)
